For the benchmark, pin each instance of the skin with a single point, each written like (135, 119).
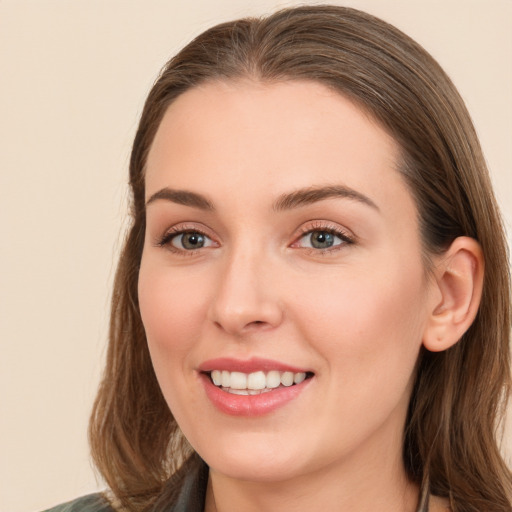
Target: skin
(354, 315)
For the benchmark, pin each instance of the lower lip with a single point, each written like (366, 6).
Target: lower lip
(251, 405)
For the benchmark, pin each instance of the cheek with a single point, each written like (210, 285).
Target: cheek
(367, 330)
(172, 306)
(368, 326)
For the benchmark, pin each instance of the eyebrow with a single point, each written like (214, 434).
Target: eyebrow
(310, 195)
(288, 201)
(183, 197)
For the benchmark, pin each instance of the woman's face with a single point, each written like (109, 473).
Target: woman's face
(282, 245)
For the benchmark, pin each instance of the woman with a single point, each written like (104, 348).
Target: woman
(301, 317)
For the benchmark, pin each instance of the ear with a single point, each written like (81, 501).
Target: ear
(457, 286)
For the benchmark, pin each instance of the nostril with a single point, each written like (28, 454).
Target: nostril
(257, 324)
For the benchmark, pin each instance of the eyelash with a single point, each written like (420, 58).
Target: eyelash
(175, 231)
(346, 239)
(321, 227)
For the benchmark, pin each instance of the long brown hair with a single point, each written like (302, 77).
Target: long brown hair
(451, 434)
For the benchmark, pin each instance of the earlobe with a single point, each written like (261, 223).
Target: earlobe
(458, 281)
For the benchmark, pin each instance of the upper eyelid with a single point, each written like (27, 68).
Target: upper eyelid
(187, 227)
(325, 225)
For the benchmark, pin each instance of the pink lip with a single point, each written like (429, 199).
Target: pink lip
(251, 365)
(249, 405)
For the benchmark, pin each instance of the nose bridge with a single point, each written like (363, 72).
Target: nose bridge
(245, 297)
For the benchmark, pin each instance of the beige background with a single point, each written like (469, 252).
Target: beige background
(73, 77)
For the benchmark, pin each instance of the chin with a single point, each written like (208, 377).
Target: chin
(245, 470)
(259, 463)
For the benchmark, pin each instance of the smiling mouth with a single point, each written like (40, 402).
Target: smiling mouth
(255, 383)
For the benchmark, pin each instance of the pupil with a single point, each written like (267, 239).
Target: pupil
(322, 239)
(192, 240)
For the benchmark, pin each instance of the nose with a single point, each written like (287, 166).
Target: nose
(246, 298)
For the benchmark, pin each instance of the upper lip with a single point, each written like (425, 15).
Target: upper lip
(247, 366)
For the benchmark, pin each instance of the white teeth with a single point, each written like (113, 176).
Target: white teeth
(273, 379)
(254, 383)
(238, 391)
(299, 377)
(238, 380)
(287, 379)
(256, 380)
(246, 391)
(217, 377)
(226, 379)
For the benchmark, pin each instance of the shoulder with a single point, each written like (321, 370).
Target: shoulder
(90, 503)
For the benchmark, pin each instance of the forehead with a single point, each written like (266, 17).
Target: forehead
(269, 136)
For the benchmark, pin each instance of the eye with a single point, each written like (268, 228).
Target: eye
(320, 240)
(190, 240)
(184, 240)
(323, 239)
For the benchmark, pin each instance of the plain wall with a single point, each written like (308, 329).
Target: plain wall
(73, 78)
